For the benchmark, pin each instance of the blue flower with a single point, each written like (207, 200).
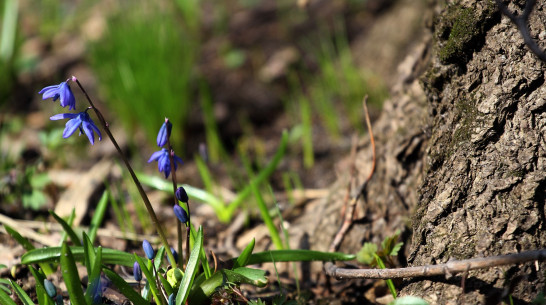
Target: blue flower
(80, 121)
(163, 161)
(137, 272)
(181, 194)
(175, 255)
(164, 133)
(61, 91)
(148, 250)
(181, 214)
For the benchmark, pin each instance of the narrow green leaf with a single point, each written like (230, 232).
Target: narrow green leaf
(43, 297)
(245, 255)
(53, 254)
(264, 174)
(88, 253)
(67, 228)
(200, 293)
(150, 278)
(20, 239)
(166, 285)
(71, 276)
(296, 256)
(204, 259)
(191, 270)
(125, 288)
(23, 296)
(98, 216)
(94, 277)
(5, 299)
(264, 211)
(69, 221)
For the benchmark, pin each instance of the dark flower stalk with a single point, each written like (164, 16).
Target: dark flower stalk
(147, 203)
(178, 223)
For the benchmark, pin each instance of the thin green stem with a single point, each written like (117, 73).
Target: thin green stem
(178, 223)
(147, 203)
(389, 281)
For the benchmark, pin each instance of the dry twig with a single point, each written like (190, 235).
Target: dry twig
(351, 208)
(449, 268)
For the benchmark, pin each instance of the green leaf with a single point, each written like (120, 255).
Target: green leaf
(389, 245)
(23, 296)
(245, 255)
(5, 299)
(191, 270)
(53, 254)
(27, 245)
(70, 221)
(94, 276)
(366, 254)
(98, 216)
(126, 289)
(73, 236)
(88, 253)
(71, 276)
(409, 300)
(149, 277)
(20, 239)
(43, 297)
(296, 256)
(200, 294)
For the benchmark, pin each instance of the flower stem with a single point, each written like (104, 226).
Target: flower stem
(147, 203)
(178, 223)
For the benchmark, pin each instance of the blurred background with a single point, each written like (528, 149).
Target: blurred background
(230, 75)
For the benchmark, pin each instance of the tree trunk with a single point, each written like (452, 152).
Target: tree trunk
(461, 147)
(484, 184)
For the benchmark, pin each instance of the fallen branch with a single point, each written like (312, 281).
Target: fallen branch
(448, 269)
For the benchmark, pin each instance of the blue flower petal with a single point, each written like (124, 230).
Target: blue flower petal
(71, 127)
(88, 132)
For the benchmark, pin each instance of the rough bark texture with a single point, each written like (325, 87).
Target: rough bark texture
(461, 147)
(484, 182)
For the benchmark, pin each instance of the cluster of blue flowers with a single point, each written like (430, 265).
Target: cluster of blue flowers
(162, 157)
(78, 121)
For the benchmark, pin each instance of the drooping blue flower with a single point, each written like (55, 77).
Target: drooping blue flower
(164, 133)
(61, 91)
(163, 161)
(180, 213)
(137, 272)
(80, 121)
(148, 250)
(181, 194)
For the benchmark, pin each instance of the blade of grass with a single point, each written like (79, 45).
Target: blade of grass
(390, 284)
(98, 216)
(70, 221)
(296, 255)
(5, 298)
(125, 289)
(273, 232)
(71, 276)
(94, 278)
(48, 269)
(88, 253)
(67, 228)
(191, 270)
(245, 255)
(53, 254)
(23, 296)
(151, 279)
(41, 294)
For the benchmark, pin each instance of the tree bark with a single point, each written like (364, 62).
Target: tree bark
(461, 148)
(484, 184)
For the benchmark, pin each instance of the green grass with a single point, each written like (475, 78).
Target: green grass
(145, 66)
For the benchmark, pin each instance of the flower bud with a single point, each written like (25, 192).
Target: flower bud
(175, 255)
(172, 299)
(181, 194)
(50, 288)
(148, 249)
(137, 272)
(164, 133)
(181, 214)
